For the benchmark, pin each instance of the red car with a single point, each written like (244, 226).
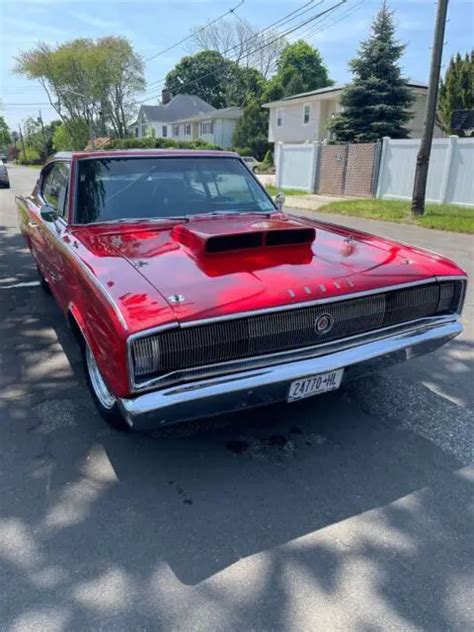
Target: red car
(192, 294)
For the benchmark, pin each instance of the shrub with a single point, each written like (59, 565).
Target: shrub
(29, 157)
(243, 151)
(268, 159)
(158, 143)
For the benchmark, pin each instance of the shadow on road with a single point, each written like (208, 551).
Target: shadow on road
(330, 501)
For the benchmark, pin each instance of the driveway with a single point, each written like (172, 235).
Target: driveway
(350, 511)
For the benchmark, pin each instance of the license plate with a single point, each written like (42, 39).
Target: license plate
(315, 385)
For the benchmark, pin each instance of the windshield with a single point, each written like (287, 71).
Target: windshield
(112, 189)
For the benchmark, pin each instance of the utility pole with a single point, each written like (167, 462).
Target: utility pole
(45, 151)
(22, 142)
(423, 158)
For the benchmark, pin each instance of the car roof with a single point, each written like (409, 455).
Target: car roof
(120, 153)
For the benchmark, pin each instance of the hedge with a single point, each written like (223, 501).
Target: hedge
(158, 143)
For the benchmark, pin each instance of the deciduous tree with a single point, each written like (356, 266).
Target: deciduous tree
(214, 79)
(87, 82)
(238, 41)
(203, 74)
(300, 68)
(5, 137)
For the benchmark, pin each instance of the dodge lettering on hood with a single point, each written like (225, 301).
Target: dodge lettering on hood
(192, 293)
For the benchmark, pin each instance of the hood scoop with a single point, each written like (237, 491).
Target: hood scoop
(228, 235)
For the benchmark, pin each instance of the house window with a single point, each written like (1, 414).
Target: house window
(137, 131)
(175, 130)
(279, 118)
(143, 130)
(207, 127)
(187, 129)
(164, 131)
(306, 114)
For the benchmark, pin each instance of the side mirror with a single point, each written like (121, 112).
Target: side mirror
(280, 200)
(48, 213)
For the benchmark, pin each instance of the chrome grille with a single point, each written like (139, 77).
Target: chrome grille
(262, 334)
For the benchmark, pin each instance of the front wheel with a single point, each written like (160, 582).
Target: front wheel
(106, 403)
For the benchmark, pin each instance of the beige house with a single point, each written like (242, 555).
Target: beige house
(305, 117)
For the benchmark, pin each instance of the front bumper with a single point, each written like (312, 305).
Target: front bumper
(257, 387)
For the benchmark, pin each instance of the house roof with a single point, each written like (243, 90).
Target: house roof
(224, 113)
(181, 106)
(330, 89)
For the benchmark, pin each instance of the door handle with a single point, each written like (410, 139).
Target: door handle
(33, 224)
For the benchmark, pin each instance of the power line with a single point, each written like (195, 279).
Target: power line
(289, 17)
(23, 103)
(297, 27)
(322, 27)
(203, 28)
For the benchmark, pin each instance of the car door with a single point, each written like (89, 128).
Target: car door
(33, 223)
(54, 261)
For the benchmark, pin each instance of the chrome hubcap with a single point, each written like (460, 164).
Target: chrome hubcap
(103, 394)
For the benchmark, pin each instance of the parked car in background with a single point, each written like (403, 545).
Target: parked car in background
(252, 163)
(4, 179)
(191, 293)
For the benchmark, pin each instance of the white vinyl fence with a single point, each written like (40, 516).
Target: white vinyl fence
(296, 165)
(450, 175)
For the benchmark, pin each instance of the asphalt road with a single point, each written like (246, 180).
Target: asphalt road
(350, 511)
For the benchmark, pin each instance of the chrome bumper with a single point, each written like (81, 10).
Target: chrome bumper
(256, 387)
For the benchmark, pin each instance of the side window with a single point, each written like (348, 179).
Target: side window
(55, 187)
(306, 114)
(279, 117)
(48, 189)
(62, 183)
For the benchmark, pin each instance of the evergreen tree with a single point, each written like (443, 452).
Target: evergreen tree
(456, 90)
(377, 102)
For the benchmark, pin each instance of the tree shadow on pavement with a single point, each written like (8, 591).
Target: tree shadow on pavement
(332, 513)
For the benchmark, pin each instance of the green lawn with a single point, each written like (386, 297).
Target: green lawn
(271, 190)
(459, 219)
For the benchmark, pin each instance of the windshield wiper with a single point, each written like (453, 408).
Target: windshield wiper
(232, 213)
(136, 220)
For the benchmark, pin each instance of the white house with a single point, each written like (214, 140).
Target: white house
(215, 127)
(187, 117)
(306, 117)
(158, 119)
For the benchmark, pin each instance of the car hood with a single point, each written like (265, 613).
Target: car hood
(187, 284)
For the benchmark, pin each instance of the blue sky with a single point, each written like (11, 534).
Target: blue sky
(152, 25)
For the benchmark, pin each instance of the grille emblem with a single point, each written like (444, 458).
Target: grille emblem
(323, 324)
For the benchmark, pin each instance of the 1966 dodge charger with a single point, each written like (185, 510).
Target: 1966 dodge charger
(192, 294)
